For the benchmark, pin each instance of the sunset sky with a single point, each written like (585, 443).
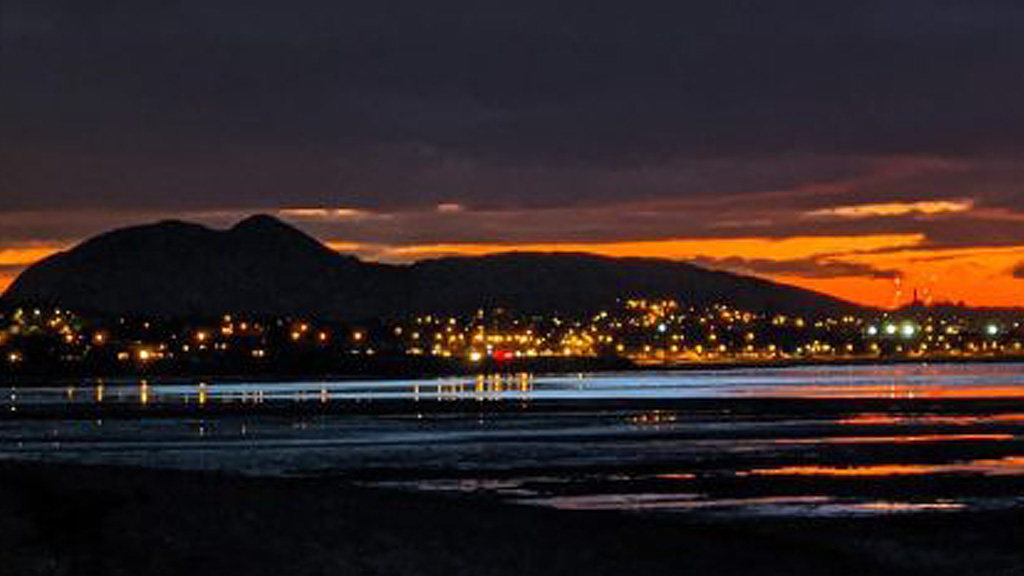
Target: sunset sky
(870, 150)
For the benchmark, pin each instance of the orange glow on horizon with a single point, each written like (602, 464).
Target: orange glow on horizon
(876, 292)
(682, 249)
(25, 256)
(978, 276)
(12, 260)
(935, 275)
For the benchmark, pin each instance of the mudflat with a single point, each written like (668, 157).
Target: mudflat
(72, 519)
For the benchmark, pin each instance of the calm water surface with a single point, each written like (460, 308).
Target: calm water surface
(799, 441)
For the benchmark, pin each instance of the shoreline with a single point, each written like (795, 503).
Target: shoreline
(310, 398)
(77, 519)
(59, 379)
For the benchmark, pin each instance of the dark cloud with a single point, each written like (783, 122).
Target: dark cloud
(1018, 271)
(800, 267)
(142, 107)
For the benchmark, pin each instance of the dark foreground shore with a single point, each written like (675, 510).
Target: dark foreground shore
(71, 520)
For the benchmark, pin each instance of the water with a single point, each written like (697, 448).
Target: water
(863, 440)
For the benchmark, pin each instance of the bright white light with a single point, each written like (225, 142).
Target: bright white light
(908, 330)
(992, 329)
(890, 329)
(662, 328)
(872, 330)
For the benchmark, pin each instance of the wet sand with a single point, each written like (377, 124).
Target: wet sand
(71, 520)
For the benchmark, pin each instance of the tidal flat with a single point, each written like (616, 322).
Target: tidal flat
(95, 520)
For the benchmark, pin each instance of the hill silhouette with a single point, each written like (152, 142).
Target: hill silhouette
(264, 266)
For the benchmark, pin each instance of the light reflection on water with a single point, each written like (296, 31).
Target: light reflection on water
(870, 419)
(574, 450)
(763, 506)
(969, 381)
(898, 439)
(1009, 466)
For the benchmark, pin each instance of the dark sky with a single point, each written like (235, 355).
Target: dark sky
(410, 124)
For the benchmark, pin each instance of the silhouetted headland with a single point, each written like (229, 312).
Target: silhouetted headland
(263, 299)
(265, 267)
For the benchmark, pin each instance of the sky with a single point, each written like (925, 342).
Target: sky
(868, 149)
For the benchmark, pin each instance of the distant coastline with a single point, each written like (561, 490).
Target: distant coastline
(263, 300)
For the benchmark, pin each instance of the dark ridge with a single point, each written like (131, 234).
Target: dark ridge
(265, 266)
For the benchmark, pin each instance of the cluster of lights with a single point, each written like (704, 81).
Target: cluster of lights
(647, 331)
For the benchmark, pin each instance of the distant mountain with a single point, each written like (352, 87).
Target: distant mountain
(264, 266)
(179, 269)
(543, 282)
